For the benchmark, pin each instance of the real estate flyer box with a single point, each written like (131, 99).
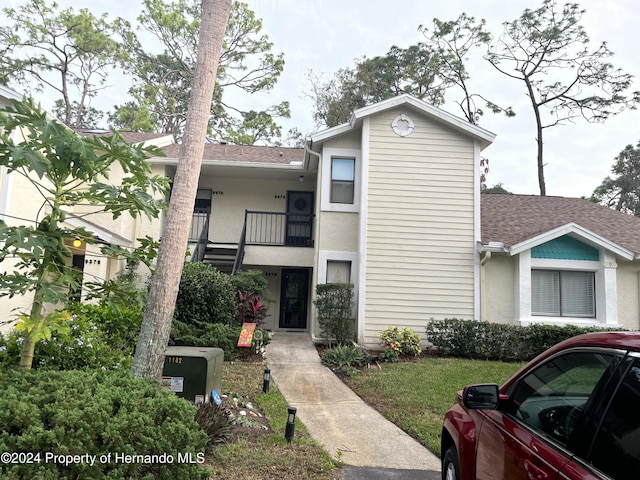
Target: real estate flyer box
(192, 372)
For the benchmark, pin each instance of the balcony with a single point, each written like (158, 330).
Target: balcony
(273, 228)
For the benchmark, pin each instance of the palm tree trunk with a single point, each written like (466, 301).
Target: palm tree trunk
(156, 323)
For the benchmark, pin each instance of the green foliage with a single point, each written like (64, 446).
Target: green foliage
(334, 302)
(454, 40)
(204, 334)
(67, 51)
(346, 358)
(205, 295)
(215, 422)
(93, 337)
(96, 413)
(119, 324)
(164, 80)
(412, 70)
(251, 281)
(495, 341)
(622, 191)
(401, 341)
(549, 51)
(125, 291)
(65, 170)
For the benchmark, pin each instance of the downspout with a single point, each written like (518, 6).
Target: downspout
(316, 240)
(483, 285)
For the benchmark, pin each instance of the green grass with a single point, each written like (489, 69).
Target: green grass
(413, 395)
(268, 456)
(416, 395)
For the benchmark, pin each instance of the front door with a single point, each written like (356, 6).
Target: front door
(299, 218)
(294, 296)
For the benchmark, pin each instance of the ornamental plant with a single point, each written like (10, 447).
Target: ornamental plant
(396, 342)
(251, 309)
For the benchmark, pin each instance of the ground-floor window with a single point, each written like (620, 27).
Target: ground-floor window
(563, 293)
(338, 271)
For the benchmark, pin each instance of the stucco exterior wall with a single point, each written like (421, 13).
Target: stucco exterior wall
(338, 231)
(231, 196)
(497, 289)
(420, 225)
(628, 281)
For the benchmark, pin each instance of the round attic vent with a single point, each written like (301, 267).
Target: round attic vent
(402, 125)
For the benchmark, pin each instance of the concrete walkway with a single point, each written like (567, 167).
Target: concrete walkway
(350, 430)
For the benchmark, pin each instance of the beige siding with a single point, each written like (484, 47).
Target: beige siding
(349, 140)
(420, 218)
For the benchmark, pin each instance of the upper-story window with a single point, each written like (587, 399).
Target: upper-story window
(342, 180)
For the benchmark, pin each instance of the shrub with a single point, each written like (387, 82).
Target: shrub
(251, 281)
(334, 302)
(346, 358)
(494, 341)
(205, 295)
(120, 324)
(400, 341)
(203, 334)
(97, 413)
(82, 344)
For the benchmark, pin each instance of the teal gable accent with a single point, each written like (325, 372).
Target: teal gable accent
(565, 248)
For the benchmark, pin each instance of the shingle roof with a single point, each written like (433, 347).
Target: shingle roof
(512, 219)
(130, 137)
(244, 153)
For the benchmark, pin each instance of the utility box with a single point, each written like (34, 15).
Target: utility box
(192, 372)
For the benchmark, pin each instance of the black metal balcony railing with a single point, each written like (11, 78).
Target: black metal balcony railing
(273, 228)
(199, 219)
(202, 238)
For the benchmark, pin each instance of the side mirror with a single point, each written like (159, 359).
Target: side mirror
(481, 397)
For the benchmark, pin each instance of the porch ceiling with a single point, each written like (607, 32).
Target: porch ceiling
(272, 172)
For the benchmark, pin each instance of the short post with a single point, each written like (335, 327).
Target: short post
(266, 378)
(291, 423)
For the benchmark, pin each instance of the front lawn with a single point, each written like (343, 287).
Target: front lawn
(259, 454)
(416, 395)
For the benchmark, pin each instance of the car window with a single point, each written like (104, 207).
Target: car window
(616, 449)
(552, 398)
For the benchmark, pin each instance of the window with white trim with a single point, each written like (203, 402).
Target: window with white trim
(342, 180)
(338, 271)
(563, 293)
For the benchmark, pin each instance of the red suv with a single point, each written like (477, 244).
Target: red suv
(571, 413)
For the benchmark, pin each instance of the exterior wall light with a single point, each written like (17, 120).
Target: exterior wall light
(291, 424)
(301, 178)
(266, 378)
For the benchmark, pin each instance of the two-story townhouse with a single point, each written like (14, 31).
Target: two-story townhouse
(389, 201)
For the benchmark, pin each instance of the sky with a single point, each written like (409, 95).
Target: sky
(325, 35)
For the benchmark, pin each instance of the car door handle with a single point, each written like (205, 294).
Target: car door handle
(534, 472)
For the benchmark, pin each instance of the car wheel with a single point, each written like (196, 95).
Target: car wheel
(450, 467)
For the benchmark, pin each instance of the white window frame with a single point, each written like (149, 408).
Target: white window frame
(563, 278)
(325, 201)
(606, 299)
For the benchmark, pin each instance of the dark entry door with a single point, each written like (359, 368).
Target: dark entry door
(299, 218)
(294, 298)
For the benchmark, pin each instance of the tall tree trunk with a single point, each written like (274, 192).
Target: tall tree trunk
(156, 323)
(539, 142)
